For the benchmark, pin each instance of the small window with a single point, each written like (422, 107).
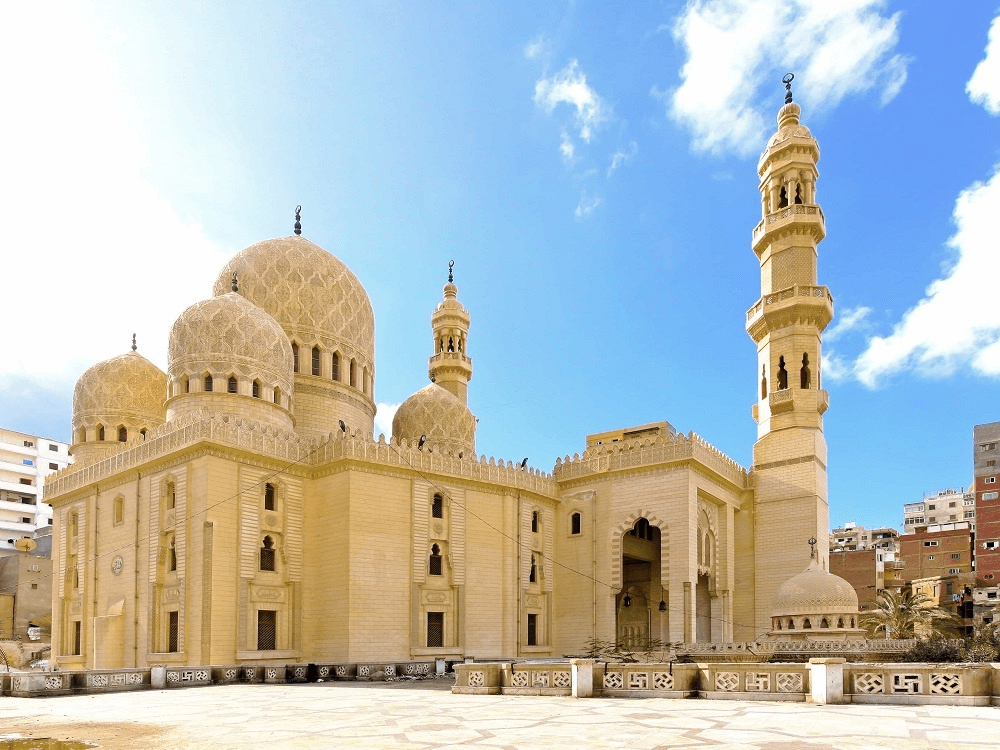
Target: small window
(532, 630)
(988, 576)
(26, 519)
(991, 462)
(267, 554)
(931, 507)
(27, 462)
(437, 507)
(119, 515)
(54, 467)
(100, 432)
(171, 496)
(77, 633)
(255, 391)
(951, 505)
(267, 629)
(435, 629)
(534, 521)
(930, 557)
(932, 543)
(172, 632)
(53, 447)
(532, 573)
(990, 495)
(354, 379)
(232, 386)
(991, 480)
(268, 497)
(315, 360)
(28, 444)
(434, 564)
(277, 396)
(987, 446)
(956, 555)
(34, 585)
(295, 357)
(575, 523)
(954, 571)
(25, 481)
(335, 371)
(171, 556)
(991, 544)
(208, 384)
(122, 434)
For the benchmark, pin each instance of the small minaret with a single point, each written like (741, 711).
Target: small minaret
(451, 366)
(787, 323)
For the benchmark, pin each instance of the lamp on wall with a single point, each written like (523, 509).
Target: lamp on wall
(663, 604)
(627, 601)
(343, 427)
(420, 444)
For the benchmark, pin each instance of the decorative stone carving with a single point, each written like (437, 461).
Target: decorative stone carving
(561, 679)
(789, 682)
(613, 680)
(759, 682)
(663, 681)
(127, 389)
(946, 684)
(906, 683)
(868, 683)
(519, 679)
(727, 682)
(477, 678)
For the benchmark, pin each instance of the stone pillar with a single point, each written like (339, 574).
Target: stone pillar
(158, 677)
(826, 681)
(583, 677)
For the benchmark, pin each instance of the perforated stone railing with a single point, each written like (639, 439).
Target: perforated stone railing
(799, 209)
(785, 682)
(798, 290)
(968, 684)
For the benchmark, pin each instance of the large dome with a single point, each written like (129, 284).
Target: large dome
(815, 591)
(441, 416)
(128, 391)
(314, 296)
(230, 335)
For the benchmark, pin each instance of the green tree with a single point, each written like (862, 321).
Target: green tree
(904, 614)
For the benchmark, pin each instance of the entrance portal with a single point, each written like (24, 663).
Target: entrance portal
(637, 612)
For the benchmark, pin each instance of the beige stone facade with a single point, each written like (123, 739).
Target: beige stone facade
(249, 514)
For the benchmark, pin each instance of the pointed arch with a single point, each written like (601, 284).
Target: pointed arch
(623, 528)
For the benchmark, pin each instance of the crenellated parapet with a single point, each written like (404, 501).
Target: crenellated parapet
(266, 441)
(637, 454)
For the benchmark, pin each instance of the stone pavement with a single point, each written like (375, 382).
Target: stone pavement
(426, 716)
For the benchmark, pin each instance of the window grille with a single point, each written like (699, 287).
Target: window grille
(434, 566)
(532, 630)
(437, 507)
(435, 629)
(172, 628)
(268, 497)
(267, 629)
(575, 523)
(267, 554)
(315, 360)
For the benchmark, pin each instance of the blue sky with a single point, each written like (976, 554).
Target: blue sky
(590, 167)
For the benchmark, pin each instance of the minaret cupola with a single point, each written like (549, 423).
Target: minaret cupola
(451, 366)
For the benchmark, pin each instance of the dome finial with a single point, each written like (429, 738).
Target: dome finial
(236, 285)
(133, 342)
(787, 80)
(298, 220)
(451, 276)
(812, 548)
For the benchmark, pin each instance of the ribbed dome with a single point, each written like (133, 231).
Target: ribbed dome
(788, 125)
(127, 389)
(230, 334)
(314, 296)
(815, 592)
(441, 416)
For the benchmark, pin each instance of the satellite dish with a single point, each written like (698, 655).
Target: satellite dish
(25, 545)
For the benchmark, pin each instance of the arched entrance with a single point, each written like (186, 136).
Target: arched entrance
(638, 616)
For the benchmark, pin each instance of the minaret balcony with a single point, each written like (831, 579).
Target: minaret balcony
(788, 399)
(450, 358)
(801, 303)
(800, 214)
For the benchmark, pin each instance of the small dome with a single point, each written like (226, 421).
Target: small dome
(230, 334)
(441, 416)
(128, 389)
(311, 293)
(815, 592)
(789, 125)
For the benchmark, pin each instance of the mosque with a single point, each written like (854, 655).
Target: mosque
(238, 508)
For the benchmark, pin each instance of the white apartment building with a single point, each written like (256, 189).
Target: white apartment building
(940, 510)
(25, 461)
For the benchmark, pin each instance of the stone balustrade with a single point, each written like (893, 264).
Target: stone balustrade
(781, 215)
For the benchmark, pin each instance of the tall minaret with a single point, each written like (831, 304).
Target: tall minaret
(787, 324)
(451, 366)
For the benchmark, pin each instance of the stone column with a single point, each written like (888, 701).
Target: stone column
(826, 681)
(583, 677)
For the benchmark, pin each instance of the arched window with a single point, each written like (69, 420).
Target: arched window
(185, 385)
(232, 386)
(531, 574)
(779, 624)
(295, 357)
(335, 372)
(824, 623)
(782, 374)
(256, 389)
(268, 497)
(277, 395)
(459, 343)
(267, 554)
(119, 510)
(783, 198)
(791, 624)
(534, 521)
(437, 507)
(806, 624)
(451, 344)
(575, 522)
(171, 555)
(798, 193)
(364, 381)
(143, 432)
(840, 622)
(643, 530)
(208, 384)
(354, 380)
(763, 381)
(804, 375)
(852, 622)
(100, 432)
(171, 496)
(434, 565)
(315, 360)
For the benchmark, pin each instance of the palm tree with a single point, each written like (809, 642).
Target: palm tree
(904, 614)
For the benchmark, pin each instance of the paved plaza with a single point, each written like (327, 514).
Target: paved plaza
(426, 715)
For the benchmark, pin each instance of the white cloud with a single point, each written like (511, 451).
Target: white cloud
(984, 86)
(848, 320)
(835, 49)
(587, 206)
(957, 323)
(835, 367)
(383, 418)
(566, 147)
(535, 48)
(569, 86)
(94, 253)
(622, 156)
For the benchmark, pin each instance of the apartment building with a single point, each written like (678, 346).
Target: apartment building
(941, 510)
(946, 552)
(25, 461)
(985, 452)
